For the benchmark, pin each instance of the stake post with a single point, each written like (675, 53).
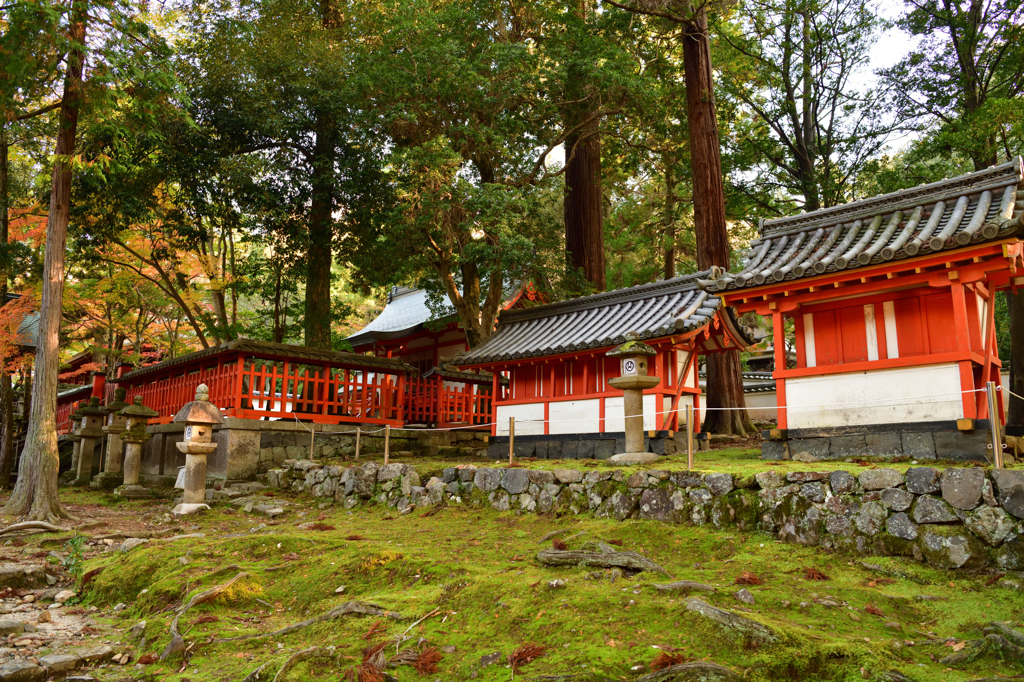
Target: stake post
(993, 419)
(358, 433)
(689, 437)
(387, 442)
(511, 438)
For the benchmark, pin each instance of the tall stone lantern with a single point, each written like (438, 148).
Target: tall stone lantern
(199, 417)
(91, 431)
(136, 418)
(76, 423)
(115, 425)
(633, 357)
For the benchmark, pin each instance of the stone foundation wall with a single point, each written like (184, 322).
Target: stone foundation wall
(944, 444)
(952, 518)
(584, 445)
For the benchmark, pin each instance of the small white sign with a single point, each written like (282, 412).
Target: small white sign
(179, 484)
(629, 366)
(188, 434)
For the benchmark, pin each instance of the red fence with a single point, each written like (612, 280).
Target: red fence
(435, 400)
(66, 403)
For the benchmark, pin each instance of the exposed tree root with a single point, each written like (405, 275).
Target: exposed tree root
(552, 534)
(570, 557)
(299, 656)
(1000, 639)
(343, 610)
(177, 643)
(685, 586)
(256, 674)
(33, 525)
(694, 670)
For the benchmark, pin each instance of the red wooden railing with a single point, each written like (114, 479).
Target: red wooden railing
(66, 404)
(435, 400)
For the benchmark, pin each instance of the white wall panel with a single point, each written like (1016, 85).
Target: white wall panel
(575, 416)
(810, 356)
(892, 343)
(883, 396)
(615, 416)
(529, 419)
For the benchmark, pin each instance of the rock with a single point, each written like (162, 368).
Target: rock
(961, 488)
(45, 617)
(120, 606)
(630, 458)
(685, 586)
(11, 627)
(870, 518)
(541, 478)
(949, 546)
(806, 476)
(929, 509)
(490, 659)
(96, 654)
(487, 480)
(23, 577)
(988, 495)
(21, 671)
(922, 480)
(842, 482)
(900, 525)
(749, 630)
(815, 492)
(515, 481)
(893, 625)
(745, 596)
(991, 524)
(339, 590)
(1009, 491)
(180, 510)
(619, 506)
(878, 479)
(63, 596)
(769, 480)
(895, 499)
(838, 525)
(694, 671)
(718, 484)
(138, 631)
(568, 475)
(60, 664)
(805, 457)
(556, 584)
(1010, 557)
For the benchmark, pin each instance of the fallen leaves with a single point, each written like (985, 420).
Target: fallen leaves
(874, 610)
(426, 662)
(147, 659)
(291, 556)
(527, 653)
(206, 618)
(321, 526)
(664, 659)
(811, 573)
(354, 538)
(881, 581)
(376, 628)
(747, 578)
(558, 543)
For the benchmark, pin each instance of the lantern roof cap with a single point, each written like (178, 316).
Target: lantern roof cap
(200, 410)
(118, 403)
(93, 409)
(137, 409)
(632, 346)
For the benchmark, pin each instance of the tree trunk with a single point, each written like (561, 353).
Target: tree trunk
(725, 379)
(1015, 304)
(582, 206)
(35, 494)
(6, 396)
(318, 258)
(670, 220)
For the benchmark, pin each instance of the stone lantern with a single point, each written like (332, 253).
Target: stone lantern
(91, 431)
(136, 418)
(111, 477)
(199, 417)
(76, 423)
(633, 356)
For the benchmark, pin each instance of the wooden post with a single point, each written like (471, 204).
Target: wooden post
(993, 418)
(689, 436)
(511, 438)
(358, 433)
(387, 442)
(312, 438)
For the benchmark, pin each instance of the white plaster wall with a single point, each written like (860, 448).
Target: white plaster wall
(529, 419)
(760, 406)
(615, 416)
(575, 416)
(883, 396)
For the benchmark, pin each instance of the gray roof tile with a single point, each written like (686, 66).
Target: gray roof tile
(942, 216)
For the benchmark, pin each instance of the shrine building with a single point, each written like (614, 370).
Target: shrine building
(553, 358)
(889, 304)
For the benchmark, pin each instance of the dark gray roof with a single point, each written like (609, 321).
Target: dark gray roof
(941, 216)
(405, 313)
(283, 351)
(28, 331)
(651, 310)
(445, 372)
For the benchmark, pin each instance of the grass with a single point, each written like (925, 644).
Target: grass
(476, 568)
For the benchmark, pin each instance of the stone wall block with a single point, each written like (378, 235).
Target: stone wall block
(962, 488)
(929, 509)
(878, 479)
(923, 480)
(918, 445)
(718, 484)
(991, 524)
(895, 499)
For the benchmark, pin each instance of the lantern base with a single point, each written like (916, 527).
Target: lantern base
(133, 492)
(106, 481)
(635, 458)
(186, 508)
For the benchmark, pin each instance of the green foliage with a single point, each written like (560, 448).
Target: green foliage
(74, 561)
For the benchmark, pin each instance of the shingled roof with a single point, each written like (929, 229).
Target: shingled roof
(405, 313)
(941, 216)
(651, 310)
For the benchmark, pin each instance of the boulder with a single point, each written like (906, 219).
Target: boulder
(879, 479)
(806, 476)
(568, 475)
(21, 671)
(718, 484)
(541, 478)
(991, 524)
(694, 671)
(515, 481)
(815, 492)
(950, 547)
(11, 627)
(487, 480)
(842, 482)
(870, 518)
(899, 525)
(60, 664)
(96, 654)
(922, 480)
(618, 506)
(768, 480)
(962, 488)
(23, 577)
(1009, 491)
(895, 499)
(838, 525)
(750, 631)
(929, 509)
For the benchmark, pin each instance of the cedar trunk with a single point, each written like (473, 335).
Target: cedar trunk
(35, 494)
(6, 397)
(725, 379)
(584, 225)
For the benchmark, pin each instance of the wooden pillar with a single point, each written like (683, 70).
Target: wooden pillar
(779, 331)
(961, 330)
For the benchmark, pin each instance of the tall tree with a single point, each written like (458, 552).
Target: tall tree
(962, 86)
(725, 378)
(807, 130)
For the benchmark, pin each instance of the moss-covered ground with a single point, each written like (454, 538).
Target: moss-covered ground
(475, 570)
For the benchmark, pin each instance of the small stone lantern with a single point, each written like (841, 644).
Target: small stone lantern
(110, 477)
(91, 431)
(136, 418)
(76, 424)
(633, 355)
(199, 417)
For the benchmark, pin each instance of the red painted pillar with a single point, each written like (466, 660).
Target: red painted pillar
(99, 382)
(779, 341)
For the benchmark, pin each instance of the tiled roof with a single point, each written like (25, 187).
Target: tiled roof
(405, 313)
(651, 310)
(941, 216)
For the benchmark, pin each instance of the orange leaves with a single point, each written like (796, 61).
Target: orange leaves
(558, 543)
(874, 610)
(527, 653)
(664, 659)
(747, 578)
(811, 573)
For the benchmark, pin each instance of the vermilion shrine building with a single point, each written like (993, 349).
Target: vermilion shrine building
(889, 302)
(553, 358)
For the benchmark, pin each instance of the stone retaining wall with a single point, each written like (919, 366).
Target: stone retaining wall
(952, 518)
